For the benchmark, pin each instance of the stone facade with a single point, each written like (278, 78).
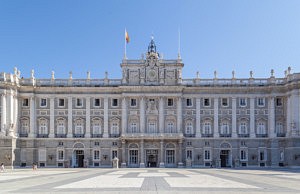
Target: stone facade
(151, 117)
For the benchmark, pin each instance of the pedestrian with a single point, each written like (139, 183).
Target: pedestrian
(2, 168)
(34, 166)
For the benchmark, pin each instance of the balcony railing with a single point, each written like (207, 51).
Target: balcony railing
(225, 135)
(114, 135)
(23, 134)
(207, 135)
(280, 134)
(78, 135)
(243, 135)
(153, 135)
(189, 135)
(60, 135)
(261, 135)
(96, 135)
(42, 136)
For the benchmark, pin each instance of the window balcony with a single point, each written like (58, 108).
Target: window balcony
(42, 136)
(60, 135)
(23, 134)
(78, 135)
(261, 135)
(225, 135)
(207, 135)
(114, 135)
(97, 135)
(189, 135)
(243, 135)
(280, 134)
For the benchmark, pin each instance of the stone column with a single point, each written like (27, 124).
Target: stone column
(70, 117)
(271, 118)
(198, 117)
(142, 164)
(11, 113)
(142, 115)
(179, 115)
(295, 113)
(162, 163)
(124, 116)
(288, 116)
(123, 164)
(88, 117)
(252, 118)
(161, 115)
(233, 119)
(180, 164)
(16, 115)
(3, 114)
(51, 133)
(105, 132)
(216, 117)
(32, 131)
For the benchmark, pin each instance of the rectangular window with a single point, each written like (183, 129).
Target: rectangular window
(170, 102)
(189, 102)
(206, 143)
(170, 156)
(61, 102)
(43, 102)
(278, 101)
(60, 143)
(261, 102)
(114, 154)
(206, 102)
(189, 143)
(60, 155)
(189, 154)
(133, 102)
(207, 155)
(133, 156)
(96, 155)
(97, 143)
(243, 155)
(96, 102)
(261, 155)
(243, 102)
(79, 102)
(114, 102)
(225, 102)
(114, 143)
(25, 102)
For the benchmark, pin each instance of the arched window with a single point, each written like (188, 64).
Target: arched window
(96, 127)
(279, 128)
(152, 127)
(225, 128)
(133, 127)
(261, 128)
(115, 128)
(24, 127)
(61, 128)
(189, 128)
(170, 127)
(207, 128)
(79, 127)
(243, 128)
(43, 128)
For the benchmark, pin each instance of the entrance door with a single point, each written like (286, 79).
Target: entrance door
(224, 156)
(79, 157)
(152, 158)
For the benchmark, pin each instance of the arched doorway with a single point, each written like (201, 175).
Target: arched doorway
(78, 155)
(225, 155)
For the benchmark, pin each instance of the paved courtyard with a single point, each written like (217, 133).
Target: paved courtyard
(150, 180)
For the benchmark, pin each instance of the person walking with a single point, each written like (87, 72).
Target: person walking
(2, 168)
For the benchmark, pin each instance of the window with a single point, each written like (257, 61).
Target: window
(96, 155)
(79, 127)
(25, 102)
(43, 127)
(243, 143)
(279, 128)
(24, 126)
(278, 101)
(189, 128)
(96, 102)
(189, 154)
(79, 102)
(60, 143)
(207, 128)
(151, 127)
(96, 128)
(243, 128)
(170, 102)
(115, 128)
(61, 127)
(60, 155)
(133, 127)
(189, 102)
(114, 102)
(133, 156)
(170, 127)
(43, 102)
(97, 143)
(170, 156)
(225, 102)
(261, 128)
(206, 102)
(262, 155)
(206, 143)
(114, 143)
(61, 102)
(189, 143)
(114, 154)
(133, 102)
(207, 155)
(243, 155)
(243, 102)
(261, 102)
(225, 128)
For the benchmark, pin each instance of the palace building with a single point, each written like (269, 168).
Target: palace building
(151, 117)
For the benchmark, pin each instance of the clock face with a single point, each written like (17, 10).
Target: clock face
(151, 75)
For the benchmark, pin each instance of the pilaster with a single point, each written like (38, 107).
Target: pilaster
(179, 115)
(105, 132)
(70, 117)
(252, 118)
(142, 164)
(271, 111)
(216, 117)
(3, 113)
(88, 117)
(142, 115)
(32, 130)
(198, 117)
(233, 119)
(123, 164)
(124, 116)
(162, 163)
(180, 163)
(51, 134)
(161, 115)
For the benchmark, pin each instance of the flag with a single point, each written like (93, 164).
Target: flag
(127, 37)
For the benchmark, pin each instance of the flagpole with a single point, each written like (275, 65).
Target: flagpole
(179, 43)
(125, 57)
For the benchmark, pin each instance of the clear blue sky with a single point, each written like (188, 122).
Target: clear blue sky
(88, 35)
